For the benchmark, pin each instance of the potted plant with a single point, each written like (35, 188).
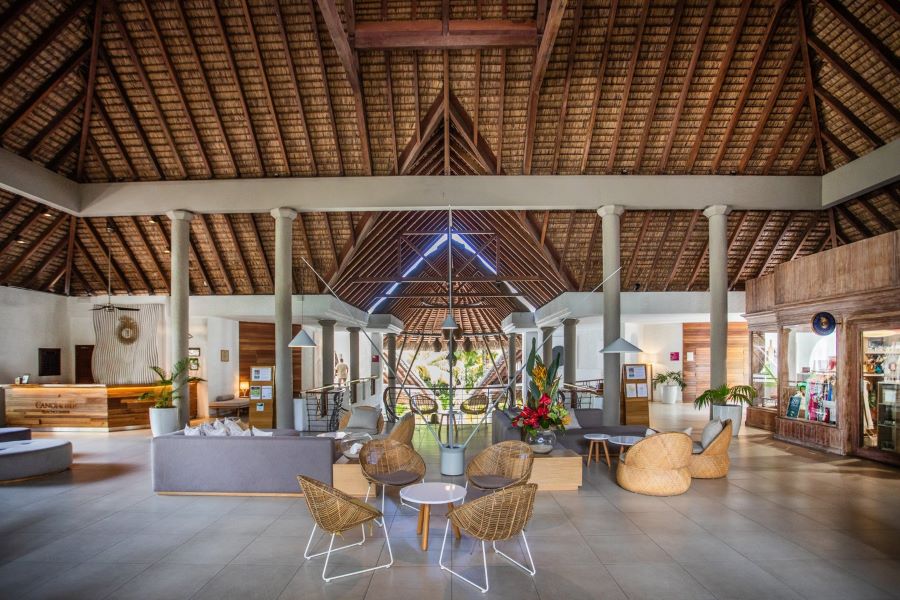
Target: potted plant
(543, 412)
(671, 383)
(727, 402)
(164, 413)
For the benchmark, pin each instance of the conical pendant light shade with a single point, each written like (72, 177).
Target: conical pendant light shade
(620, 346)
(302, 340)
(449, 323)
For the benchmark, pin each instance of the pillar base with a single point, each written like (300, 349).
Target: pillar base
(453, 460)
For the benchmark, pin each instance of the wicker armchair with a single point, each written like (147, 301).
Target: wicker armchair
(404, 430)
(475, 405)
(713, 461)
(657, 465)
(498, 516)
(345, 418)
(390, 463)
(500, 466)
(424, 405)
(335, 512)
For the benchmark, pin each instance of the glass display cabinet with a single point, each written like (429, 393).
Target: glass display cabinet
(811, 376)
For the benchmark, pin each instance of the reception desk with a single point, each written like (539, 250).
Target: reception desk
(83, 407)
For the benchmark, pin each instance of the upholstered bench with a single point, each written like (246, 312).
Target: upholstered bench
(14, 434)
(32, 458)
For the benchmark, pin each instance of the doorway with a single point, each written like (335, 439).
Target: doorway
(84, 373)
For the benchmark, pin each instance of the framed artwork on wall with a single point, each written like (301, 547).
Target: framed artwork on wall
(224, 355)
(194, 364)
(193, 352)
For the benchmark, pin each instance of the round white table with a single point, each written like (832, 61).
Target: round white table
(624, 441)
(427, 494)
(595, 442)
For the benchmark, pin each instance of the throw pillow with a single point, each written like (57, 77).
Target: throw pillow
(233, 427)
(191, 431)
(206, 428)
(710, 432)
(650, 431)
(689, 431)
(217, 430)
(257, 432)
(573, 420)
(364, 417)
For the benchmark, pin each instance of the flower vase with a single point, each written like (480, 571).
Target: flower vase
(541, 441)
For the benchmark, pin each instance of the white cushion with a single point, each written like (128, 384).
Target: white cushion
(696, 448)
(688, 431)
(573, 420)
(260, 433)
(710, 432)
(191, 431)
(217, 430)
(650, 431)
(365, 418)
(233, 427)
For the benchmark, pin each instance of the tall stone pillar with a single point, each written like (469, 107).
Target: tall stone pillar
(392, 368)
(570, 350)
(354, 363)
(612, 322)
(511, 358)
(547, 344)
(718, 292)
(180, 294)
(529, 339)
(327, 351)
(375, 368)
(284, 288)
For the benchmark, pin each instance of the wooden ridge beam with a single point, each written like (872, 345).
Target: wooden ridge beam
(349, 61)
(724, 67)
(41, 93)
(626, 87)
(33, 248)
(749, 79)
(40, 44)
(876, 46)
(810, 85)
(858, 81)
(849, 116)
(684, 243)
(96, 35)
(547, 251)
(541, 60)
(428, 34)
(686, 85)
(660, 78)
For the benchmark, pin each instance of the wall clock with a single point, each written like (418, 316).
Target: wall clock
(127, 331)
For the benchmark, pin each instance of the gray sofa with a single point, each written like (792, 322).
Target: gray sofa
(590, 419)
(239, 465)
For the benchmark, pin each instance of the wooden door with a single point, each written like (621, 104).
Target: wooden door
(84, 373)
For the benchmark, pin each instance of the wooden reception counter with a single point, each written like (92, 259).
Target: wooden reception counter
(67, 407)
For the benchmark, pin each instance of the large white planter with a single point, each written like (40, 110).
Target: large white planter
(669, 394)
(163, 421)
(735, 412)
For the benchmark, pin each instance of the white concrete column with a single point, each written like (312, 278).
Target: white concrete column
(547, 344)
(511, 357)
(375, 368)
(180, 293)
(528, 339)
(284, 288)
(391, 367)
(718, 292)
(570, 345)
(327, 351)
(354, 363)
(612, 322)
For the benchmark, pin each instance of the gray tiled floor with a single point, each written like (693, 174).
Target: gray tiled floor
(787, 523)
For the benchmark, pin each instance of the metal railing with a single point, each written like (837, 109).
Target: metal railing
(582, 394)
(325, 405)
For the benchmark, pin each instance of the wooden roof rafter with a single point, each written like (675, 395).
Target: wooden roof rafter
(626, 88)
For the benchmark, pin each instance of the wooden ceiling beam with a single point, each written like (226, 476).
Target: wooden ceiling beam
(660, 78)
(389, 92)
(778, 241)
(120, 148)
(645, 223)
(54, 163)
(32, 249)
(724, 66)
(104, 165)
(314, 24)
(662, 244)
(148, 248)
(626, 87)
(446, 111)
(96, 271)
(203, 223)
(97, 239)
(429, 34)
(701, 258)
(41, 43)
(541, 60)
(839, 145)
(684, 243)
(13, 12)
(786, 129)
(876, 46)
(50, 84)
(144, 79)
(849, 116)
(204, 270)
(749, 254)
(595, 229)
(23, 226)
(67, 111)
(810, 85)
(851, 75)
(258, 245)
(501, 107)
(570, 65)
(598, 84)
(810, 229)
(349, 61)
(876, 214)
(686, 86)
(547, 251)
(239, 252)
(96, 40)
(135, 263)
(855, 221)
(804, 150)
(750, 79)
(29, 280)
(70, 254)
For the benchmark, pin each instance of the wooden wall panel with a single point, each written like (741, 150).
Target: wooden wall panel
(256, 346)
(760, 295)
(695, 338)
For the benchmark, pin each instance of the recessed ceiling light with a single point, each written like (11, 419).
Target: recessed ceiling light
(151, 220)
(48, 213)
(19, 239)
(166, 251)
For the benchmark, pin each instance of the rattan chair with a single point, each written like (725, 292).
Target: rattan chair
(345, 418)
(388, 462)
(335, 512)
(713, 461)
(475, 405)
(500, 465)
(657, 465)
(404, 429)
(424, 405)
(498, 516)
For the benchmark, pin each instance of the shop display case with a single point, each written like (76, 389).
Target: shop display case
(764, 379)
(880, 386)
(811, 376)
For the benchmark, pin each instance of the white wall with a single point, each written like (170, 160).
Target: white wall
(28, 321)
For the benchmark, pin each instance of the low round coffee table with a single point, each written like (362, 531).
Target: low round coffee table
(595, 441)
(426, 494)
(624, 441)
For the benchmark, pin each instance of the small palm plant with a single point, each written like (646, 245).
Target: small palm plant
(670, 378)
(166, 393)
(724, 394)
